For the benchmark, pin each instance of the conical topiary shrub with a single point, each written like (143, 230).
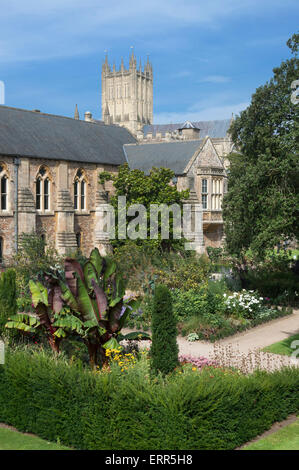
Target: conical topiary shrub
(164, 349)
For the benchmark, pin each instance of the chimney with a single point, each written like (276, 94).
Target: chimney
(88, 116)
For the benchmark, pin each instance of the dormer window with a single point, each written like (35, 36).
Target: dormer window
(43, 187)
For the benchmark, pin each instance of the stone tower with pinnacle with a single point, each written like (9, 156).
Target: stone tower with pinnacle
(127, 94)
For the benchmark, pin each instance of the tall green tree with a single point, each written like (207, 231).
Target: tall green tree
(139, 188)
(261, 207)
(164, 349)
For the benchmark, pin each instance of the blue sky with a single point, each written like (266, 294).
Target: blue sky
(208, 57)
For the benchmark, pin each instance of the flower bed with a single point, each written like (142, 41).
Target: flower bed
(212, 312)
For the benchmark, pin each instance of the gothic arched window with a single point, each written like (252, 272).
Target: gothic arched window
(80, 191)
(43, 189)
(3, 188)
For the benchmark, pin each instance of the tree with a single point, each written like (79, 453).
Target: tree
(87, 301)
(164, 349)
(154, 188)
(261, 207)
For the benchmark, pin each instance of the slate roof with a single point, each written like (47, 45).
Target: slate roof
(214, 129)
(173, 155)
(32, 134)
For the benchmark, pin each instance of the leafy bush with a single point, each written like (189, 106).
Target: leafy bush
(214, 254)
(8, 304)
(281, 287)
(87, 301)
(143, 266)
(128, 411)
(210, 311)
(164, 349)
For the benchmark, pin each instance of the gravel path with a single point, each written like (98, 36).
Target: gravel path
(243, 349)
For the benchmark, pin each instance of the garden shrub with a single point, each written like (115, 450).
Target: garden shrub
(164, 348)
(211, 409)
(211, 312)
(144, 266)
(281, 287)
(8, 304)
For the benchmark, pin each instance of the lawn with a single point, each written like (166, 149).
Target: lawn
(283, 347)
(13, 440)
(286, 438)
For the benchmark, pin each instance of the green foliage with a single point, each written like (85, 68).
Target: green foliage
(33, 259)
(87, 301)
(262, 203)
(139, 188)
(103, 411)
(211, 311)
(214, 254)
(8, 304)
(143, 266)
(164, 349)
(281, 288)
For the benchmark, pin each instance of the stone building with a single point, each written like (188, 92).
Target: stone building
(49, 168)
(127, 94)
(199, 165)
(50, 165)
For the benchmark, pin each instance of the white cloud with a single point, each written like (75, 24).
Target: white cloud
(182, 74)
(204, 114)
(37, 30)
(215, 79)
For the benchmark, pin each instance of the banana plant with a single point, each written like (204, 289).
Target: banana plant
(48, 307)
(98, 299)
(89, 302)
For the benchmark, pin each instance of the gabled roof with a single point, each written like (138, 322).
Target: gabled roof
(214, 129)
(173, 155)
(188, 125)
(34, 134)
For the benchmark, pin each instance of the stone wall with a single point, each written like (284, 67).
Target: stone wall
(61, 223)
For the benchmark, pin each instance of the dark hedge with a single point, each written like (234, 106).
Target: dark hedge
(87, 410)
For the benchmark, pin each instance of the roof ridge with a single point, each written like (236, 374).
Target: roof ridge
(140, 144)
(40, 113)
(181, 123)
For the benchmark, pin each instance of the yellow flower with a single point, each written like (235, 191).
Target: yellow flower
(194, 368)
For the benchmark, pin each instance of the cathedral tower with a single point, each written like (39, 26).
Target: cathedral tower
(127, 94)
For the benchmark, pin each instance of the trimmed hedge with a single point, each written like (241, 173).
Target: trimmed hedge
(188, 411)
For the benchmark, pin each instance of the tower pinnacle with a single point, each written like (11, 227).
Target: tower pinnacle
(76, 115)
